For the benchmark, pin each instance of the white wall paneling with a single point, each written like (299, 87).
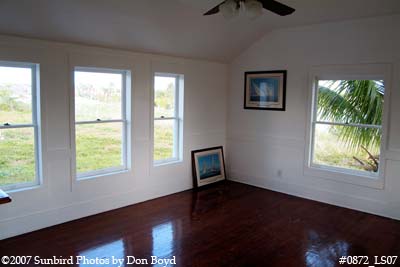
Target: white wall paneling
(61, 198)
(267, 148)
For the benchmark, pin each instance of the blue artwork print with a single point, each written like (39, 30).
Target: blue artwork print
(209, 165)
(264, 89)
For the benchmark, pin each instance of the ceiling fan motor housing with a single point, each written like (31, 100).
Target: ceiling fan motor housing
(231, 8)
(252, 8)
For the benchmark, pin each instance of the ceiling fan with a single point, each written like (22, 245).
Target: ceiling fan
(231, 8)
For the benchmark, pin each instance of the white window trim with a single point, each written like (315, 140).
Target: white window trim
(347, 72)
(35, 125)
(178, 120)
(125, 76)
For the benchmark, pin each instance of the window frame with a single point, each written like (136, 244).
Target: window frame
(346, 72)
(177, 119)
(35, 125)
(125, 76)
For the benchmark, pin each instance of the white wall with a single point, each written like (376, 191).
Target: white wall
(259, 143)
(61, 198)
(263, 144)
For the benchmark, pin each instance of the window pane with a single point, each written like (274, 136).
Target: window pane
(347, 147)
(15, 95)
(17, 156)
(98, 146)
(351, 101)
(164, 139)
(98, 96)
(164, 96)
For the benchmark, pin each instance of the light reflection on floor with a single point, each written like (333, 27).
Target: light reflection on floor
(163, 240)
(113, 249)
(322, 254)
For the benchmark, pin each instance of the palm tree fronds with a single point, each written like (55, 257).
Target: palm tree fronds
(356, 102)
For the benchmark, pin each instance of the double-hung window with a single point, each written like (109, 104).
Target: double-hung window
(100, 121)
(19, 125)
(168, 118)
(346, 125)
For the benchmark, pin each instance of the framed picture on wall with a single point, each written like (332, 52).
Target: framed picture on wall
(208, 166)
(265, 90)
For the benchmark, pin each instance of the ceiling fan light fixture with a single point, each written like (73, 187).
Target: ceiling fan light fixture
(229, 9)
(253, 8)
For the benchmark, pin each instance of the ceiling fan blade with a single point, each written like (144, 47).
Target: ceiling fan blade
(213, 11)
(277, 7)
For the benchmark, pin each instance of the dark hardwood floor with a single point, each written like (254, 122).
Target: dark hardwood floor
(230, 224)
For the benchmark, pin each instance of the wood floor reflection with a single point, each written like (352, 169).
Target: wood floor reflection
(230, 224)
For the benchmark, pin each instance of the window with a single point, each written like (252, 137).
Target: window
(168, 109)
(19, 126)
(100, 121)
(347, 120)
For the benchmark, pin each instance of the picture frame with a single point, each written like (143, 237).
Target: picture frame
(265, 90)
(208, 166)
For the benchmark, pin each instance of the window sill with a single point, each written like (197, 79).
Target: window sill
(94, 175)
(354, 178)
(17, 189)
(166, 162)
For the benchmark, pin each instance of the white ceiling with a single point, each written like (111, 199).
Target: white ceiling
(173, 27)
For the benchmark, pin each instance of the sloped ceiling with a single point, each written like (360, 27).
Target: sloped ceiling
(172, 27)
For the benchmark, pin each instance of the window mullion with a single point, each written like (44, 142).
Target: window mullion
(165, 118)
(315, 103)
(123, 98)
(176, 137)
(349, 124)
(124, 103)
(16, 126)
(176, 98)
(99, 121)
(34, 96)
